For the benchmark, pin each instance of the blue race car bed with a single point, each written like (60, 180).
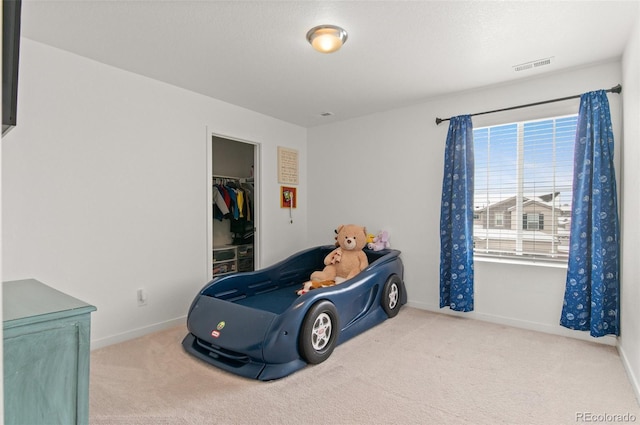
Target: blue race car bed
(253, 324)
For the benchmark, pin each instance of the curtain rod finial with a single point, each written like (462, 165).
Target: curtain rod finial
(616, 89)
(438, 121)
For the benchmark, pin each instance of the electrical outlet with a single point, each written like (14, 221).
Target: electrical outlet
(142, 297)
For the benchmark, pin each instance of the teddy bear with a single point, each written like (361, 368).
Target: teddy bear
(344, 262)
(380, 242)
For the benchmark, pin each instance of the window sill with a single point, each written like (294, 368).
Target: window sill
(503, 260)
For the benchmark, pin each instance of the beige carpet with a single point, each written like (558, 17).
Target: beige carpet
(418, 368)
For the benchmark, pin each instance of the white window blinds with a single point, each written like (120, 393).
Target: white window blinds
(522, 193)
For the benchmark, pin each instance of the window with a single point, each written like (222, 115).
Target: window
(522, 194)
(533, 221)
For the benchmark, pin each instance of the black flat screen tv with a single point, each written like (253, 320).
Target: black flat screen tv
(10, 57)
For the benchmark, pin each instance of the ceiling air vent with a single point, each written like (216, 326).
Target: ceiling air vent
(533, 64)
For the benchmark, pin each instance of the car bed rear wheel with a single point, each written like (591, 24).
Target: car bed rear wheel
(319, 332)
(391, 295)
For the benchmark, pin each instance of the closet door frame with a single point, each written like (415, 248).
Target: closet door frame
(256, 198)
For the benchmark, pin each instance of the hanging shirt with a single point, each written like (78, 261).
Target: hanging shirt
(240, 202)
(218, 200)
(233, 200)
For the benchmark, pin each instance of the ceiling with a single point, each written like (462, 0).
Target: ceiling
(254, 53)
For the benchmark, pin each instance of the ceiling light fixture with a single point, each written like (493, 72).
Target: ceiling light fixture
(327, 38)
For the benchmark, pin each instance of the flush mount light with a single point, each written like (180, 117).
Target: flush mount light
(327, 38)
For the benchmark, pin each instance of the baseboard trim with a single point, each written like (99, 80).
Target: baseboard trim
(633, 379)
(517, 323)
(136, 333)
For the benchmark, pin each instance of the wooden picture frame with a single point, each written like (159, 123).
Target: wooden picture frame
(287, 165)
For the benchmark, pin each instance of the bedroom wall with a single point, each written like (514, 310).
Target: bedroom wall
(389, 176)
(629, 345)
(105, 188)
(1, 301)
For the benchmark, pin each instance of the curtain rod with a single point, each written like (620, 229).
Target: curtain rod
(616, 89)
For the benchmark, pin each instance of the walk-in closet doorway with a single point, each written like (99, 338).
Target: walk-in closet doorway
(233, 200)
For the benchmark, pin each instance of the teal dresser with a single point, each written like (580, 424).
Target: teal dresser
(46, 355)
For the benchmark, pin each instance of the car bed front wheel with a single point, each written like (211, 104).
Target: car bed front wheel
(391, 295)
(319, 332)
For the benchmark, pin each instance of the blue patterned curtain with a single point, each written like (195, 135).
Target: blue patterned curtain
(456, 217)
(591, 299)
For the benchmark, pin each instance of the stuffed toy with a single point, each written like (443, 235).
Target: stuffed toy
(309, 285)
(380, 242)
(344, 262)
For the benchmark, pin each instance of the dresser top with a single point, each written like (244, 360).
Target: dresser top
(29, 299)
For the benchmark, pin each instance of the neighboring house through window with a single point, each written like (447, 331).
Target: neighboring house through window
(522, 194)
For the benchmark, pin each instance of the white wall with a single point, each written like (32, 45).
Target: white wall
(105, 188)
(388, 175)
(1, 301)
(629, 344)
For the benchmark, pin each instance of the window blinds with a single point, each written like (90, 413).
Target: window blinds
(522, 188)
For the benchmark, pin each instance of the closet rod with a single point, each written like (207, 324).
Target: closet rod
(217, 176)
(616, 89)
(240, 179)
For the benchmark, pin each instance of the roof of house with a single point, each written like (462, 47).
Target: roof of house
(509, 203)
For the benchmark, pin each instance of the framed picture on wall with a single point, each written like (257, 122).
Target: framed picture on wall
(288, 197)
(287, 165)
